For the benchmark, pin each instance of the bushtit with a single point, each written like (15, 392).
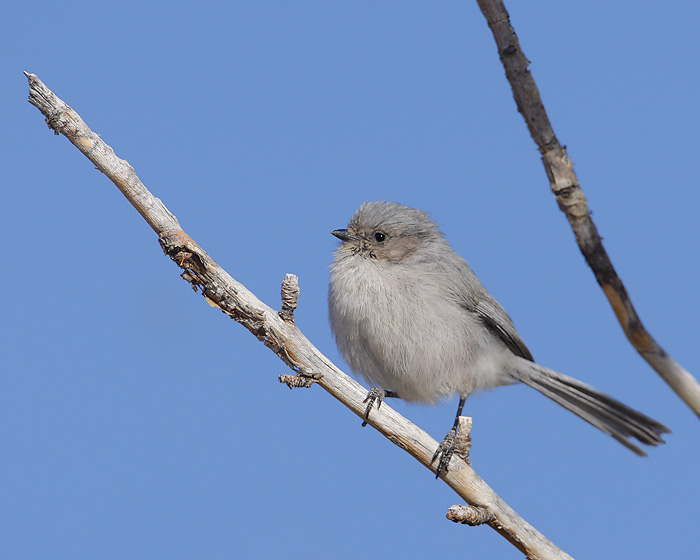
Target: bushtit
(411, 317)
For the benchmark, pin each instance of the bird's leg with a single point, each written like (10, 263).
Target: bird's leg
(375, 394)
(447, 447)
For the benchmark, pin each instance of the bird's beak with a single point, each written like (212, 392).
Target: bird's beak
(343, 235)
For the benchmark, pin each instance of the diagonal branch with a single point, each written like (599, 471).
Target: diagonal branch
(280, 334)
(572, 201)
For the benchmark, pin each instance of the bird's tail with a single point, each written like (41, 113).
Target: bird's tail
(605, 413)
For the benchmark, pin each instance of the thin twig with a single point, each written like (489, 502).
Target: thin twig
(572, 202)
(282, 337)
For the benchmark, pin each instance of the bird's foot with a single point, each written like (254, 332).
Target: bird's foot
(444, 452)
(375, 395)
(458, 440)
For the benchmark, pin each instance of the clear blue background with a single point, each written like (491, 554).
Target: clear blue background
(138, 422)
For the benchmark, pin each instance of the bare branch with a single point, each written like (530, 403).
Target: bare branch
(290, 297)
(296, 381)
(463, 439)
(64, 120)
(469, 515)
(572, 202)
(283, 337)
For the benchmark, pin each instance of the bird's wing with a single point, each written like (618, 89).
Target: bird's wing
(497, 320)
(473, 296)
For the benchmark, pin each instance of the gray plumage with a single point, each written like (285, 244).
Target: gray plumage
(411, 317)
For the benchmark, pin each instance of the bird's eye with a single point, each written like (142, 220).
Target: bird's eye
(379, 236)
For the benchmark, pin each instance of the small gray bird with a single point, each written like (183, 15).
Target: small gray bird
(411, 317)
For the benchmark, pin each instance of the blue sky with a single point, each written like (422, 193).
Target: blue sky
(138, 422)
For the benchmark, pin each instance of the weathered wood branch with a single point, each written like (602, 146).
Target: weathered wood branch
(278, 331)
(572, 201)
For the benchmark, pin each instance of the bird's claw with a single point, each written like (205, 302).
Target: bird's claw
(444, 452)
(375, 394)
